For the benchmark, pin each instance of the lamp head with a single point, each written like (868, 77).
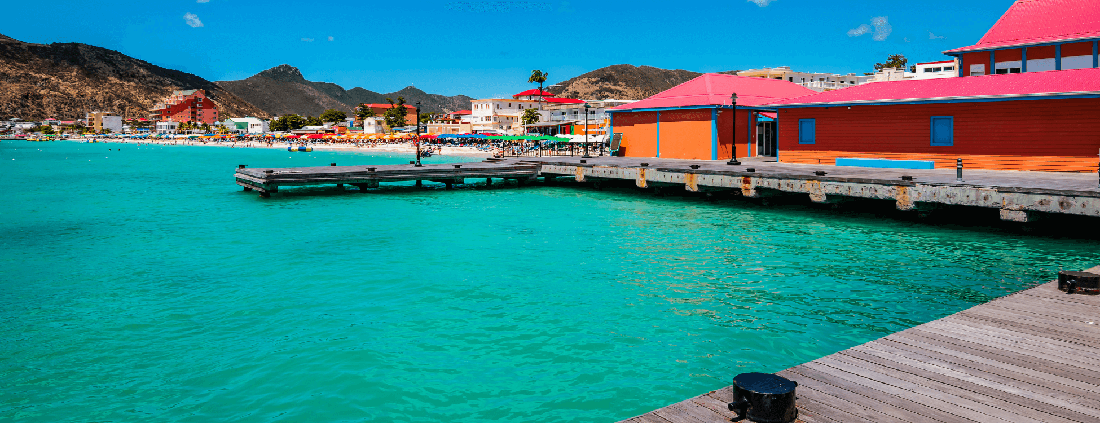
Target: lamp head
(733, 99)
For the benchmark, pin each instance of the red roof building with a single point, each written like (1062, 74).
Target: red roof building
(533, 93)
(695, 120)
(1046, 121)
(187, 106)
(1036, 35)
(380, 109)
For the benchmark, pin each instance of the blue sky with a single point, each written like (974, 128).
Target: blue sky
(488, 48)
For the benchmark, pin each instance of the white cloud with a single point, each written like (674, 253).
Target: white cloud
(330, 38)
(192, 20)
(862, 29)
(882, 28)
(308, 40)
(932, 36)
(762, 3)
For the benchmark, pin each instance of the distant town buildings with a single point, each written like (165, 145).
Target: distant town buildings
(98, 121)
(186, 106)
(815, 81)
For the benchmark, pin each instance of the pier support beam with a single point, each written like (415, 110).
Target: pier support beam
(366, 185)
(488, 182)
(1020, 216)
(419, 183)
(248, 188)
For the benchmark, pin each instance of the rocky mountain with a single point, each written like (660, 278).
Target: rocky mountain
(63, 80)
(283, 90)
(623, 82)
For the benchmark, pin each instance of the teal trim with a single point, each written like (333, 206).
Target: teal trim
(992, 63)
(713, 106)
(751, 139)
(1023, 60)
(611, 131)
(960, 69)
(1058, 57)
(714, 134)
(885, 163)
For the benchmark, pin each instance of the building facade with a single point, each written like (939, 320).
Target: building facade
(696, 119)
(380, 110)
(186, 106)
(1036, 36)
(815, 81)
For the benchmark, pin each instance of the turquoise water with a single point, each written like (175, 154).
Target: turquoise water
(143, 284)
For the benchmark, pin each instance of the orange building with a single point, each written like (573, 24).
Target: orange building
(695, 120)
(187, 106)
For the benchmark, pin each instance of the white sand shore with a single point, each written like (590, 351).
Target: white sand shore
(405, 148)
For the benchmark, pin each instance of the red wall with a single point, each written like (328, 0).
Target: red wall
(1069, 127)
(1044, 52)
(981, 57)
(1077, 49)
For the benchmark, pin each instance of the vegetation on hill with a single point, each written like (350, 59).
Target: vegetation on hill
(66, 80)
(623, 82)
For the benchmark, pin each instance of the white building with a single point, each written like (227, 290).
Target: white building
(248, 125)
(498, 115)
(374, 125)
(936, 70)
(812, 80)
(164, 127)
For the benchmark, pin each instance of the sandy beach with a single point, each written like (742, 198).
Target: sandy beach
(406, 148)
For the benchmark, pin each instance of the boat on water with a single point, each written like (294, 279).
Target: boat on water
(302, 148)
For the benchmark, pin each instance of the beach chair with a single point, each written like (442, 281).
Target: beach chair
(616, 142)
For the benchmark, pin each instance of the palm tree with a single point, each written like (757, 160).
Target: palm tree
(540, 77)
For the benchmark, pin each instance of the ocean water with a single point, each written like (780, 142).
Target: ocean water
(144, 285)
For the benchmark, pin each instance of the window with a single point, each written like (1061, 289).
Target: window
(927, 70)
(807, 131)
(948, 68)
(791, 79)
(943, 131)
(937, 69)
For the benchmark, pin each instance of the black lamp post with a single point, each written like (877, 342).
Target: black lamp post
(733, 104)
(586, 156)
(417, 122)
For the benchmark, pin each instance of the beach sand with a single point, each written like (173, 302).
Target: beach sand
(405, 148)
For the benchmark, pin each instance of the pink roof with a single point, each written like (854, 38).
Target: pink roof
(1006, 86)
(563, 100)
(715, 89)
(463, 112)
(1041, 21)
(534, 92)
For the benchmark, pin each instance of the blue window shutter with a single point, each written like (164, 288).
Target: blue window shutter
(807, 131)
(943, 131)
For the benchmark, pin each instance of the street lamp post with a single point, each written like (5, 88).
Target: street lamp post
(733, 107)
(417, 123)
(586, 156)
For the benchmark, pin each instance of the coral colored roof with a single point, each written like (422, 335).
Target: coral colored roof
(463, 112)
(1006, 86)
(715, 89)
(1041, 21)
(533, 92)
(386, 106)
(563, 100)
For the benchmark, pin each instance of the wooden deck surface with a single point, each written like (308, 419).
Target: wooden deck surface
(1026, 357)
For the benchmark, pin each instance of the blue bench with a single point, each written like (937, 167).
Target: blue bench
(885, 163)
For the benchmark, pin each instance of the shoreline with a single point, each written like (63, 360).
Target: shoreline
(405, 147)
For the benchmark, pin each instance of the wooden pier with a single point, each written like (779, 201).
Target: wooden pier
(1026, 357)
(1019, 196)
(268, 180)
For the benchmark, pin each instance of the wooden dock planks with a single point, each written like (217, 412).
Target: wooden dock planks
(1026, 357)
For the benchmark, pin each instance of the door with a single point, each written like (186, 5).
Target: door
(765, 139)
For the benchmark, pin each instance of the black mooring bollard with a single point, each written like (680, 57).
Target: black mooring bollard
(334, 164)
(241, 166)
(959, 170)
(763, 397)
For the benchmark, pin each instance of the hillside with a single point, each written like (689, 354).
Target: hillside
(283, 90)
(63, 80)
(623, 82)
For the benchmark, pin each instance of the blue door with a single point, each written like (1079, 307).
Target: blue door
(943, 131)
(807, 131)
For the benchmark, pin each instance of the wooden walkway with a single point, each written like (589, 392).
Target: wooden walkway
(1027, 357)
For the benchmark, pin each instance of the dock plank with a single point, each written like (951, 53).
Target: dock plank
(1025, 357)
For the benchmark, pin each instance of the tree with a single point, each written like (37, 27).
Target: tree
(333, 115)
(287, 123)
(540, 77)
(531, 116)
(46, 129)
(395, 116)
(894, 61)
(363, 112)
(313, 121)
